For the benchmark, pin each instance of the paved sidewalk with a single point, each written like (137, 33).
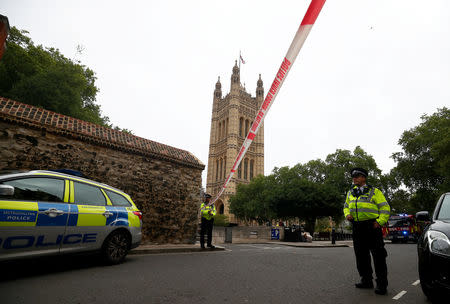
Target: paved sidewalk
(171, 248)
(177, 248)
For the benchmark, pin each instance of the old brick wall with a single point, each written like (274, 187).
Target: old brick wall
(163, 181)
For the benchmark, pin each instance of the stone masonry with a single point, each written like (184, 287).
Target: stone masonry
(163, 181)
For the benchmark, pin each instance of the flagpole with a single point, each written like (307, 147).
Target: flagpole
(239, 59)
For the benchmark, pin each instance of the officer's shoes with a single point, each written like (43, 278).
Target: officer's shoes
(381, 290)
(202, 247)
(363, 284)
(211, 246)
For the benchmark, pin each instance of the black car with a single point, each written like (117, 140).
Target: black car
(434, 252)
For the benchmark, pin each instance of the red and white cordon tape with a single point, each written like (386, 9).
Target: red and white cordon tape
(305, 27)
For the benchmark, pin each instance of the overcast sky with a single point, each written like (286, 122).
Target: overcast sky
(367, 72)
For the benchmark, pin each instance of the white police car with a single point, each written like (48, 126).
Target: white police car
(45, 212)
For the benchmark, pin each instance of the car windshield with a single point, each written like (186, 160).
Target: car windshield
(398, 222)
(444, 210)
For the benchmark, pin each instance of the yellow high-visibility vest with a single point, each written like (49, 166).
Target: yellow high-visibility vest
(371, 204)
(204, 209)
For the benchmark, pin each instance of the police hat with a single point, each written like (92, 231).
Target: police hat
(356, 171)
(207, 195)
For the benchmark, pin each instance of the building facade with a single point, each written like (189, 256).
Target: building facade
(232, 117)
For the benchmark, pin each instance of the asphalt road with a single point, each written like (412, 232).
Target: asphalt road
(244, 273)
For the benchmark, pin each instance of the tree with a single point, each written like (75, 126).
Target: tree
(339, 164)
(255, 200)
(424, 164)
(45, 78)
(306, 194)
(400, 202)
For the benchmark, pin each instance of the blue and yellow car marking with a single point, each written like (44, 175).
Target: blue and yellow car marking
(26, 241)
(18, 214)
(73, 215)
(47, 220)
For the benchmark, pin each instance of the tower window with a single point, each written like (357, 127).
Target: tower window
(240, 170)
(226, 128)
(245, 168)
(246, 127)
(241, 123)
(252, 163)
(219, 130)
(225, 167)
(217, 170)
(220, 168)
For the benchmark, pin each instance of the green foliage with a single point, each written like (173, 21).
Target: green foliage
(424, 164)
(45, 78)
(221, 220)
(400, 202)
(341, 162)
(255, 200)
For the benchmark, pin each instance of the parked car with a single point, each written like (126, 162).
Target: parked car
(45, 212)
(434, 251)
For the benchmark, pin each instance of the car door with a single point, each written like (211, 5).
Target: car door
(88, 220)
(33, 220)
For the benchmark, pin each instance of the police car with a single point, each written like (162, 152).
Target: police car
(46, 212)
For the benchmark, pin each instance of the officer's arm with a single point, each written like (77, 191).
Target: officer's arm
(346, 205)
(383, 207)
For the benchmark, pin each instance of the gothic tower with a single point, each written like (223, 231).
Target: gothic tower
(231, 119)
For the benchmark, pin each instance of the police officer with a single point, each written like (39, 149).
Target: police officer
(367, 209)
(207, 213)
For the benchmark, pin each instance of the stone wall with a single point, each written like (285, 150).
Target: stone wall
(163, 181)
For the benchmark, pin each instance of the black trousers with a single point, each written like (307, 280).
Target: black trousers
(369, 240)
(206, 226)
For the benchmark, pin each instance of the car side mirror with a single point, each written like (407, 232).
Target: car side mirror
(423, 216)
(6, 190)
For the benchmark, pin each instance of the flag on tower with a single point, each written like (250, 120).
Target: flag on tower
(242, 59)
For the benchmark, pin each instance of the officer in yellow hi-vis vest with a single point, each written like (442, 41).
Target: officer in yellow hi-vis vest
(367, 209)
(207, 222)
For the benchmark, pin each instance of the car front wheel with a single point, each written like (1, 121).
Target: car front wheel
(115, 248)
(434, 294)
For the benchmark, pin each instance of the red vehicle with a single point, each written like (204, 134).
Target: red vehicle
(403, 228)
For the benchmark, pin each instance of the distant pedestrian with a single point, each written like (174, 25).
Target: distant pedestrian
(367, 209)
(207, 222)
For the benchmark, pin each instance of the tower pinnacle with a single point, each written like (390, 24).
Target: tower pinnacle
(218, 90)
(259, 88)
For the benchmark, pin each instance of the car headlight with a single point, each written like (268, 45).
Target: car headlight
(438, 242)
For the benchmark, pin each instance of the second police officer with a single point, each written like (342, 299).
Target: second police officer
(207, 222)
(367, 209)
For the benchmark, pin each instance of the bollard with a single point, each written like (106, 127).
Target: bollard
(333, 236)
(228, 234)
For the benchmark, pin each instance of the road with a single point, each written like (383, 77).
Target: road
(244, 273)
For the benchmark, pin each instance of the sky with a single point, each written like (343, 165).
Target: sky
(367, 72)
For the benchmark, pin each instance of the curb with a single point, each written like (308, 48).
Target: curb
(314, 246)
(157, 249)
(173, 250)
